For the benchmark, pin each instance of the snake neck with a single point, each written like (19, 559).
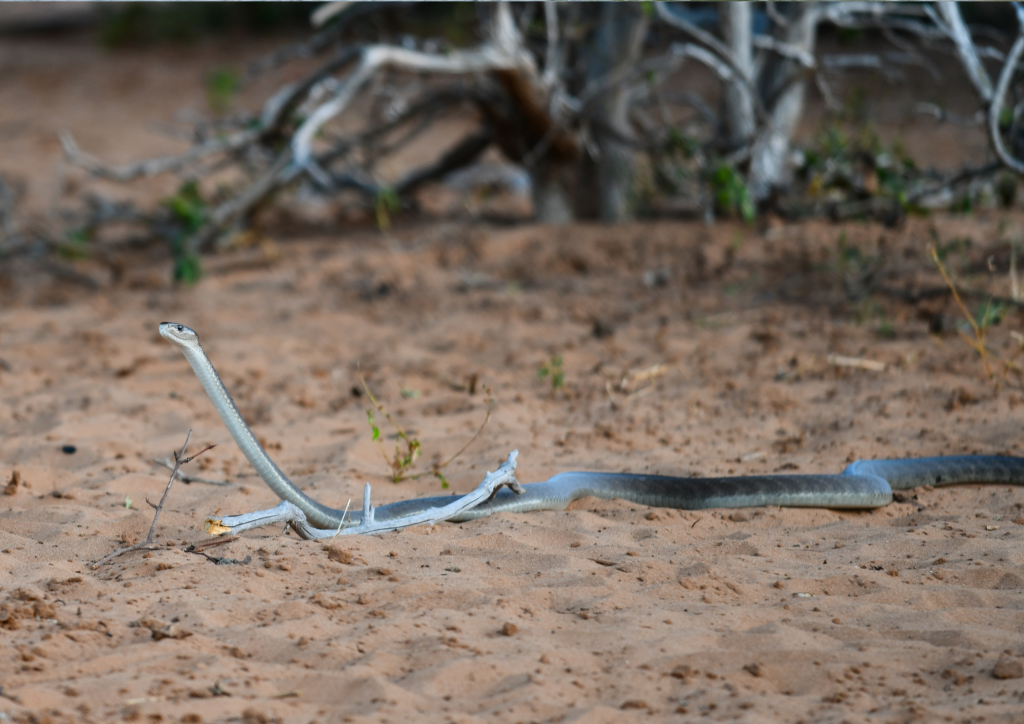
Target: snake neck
(318, 515)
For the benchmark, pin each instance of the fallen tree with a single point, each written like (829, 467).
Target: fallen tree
(576, 94)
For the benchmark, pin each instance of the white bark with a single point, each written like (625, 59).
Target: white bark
(999, 99)
(503, 51)
(738, 106)
(288, 513)
(961, 38)
(616, 48)
(769, 162)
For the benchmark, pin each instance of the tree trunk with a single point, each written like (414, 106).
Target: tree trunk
(616, 46)
(552, 184)
(734, 20)
(782, 89)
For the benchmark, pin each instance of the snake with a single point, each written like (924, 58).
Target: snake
(864, 484)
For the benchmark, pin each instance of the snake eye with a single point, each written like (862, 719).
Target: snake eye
(181, 328)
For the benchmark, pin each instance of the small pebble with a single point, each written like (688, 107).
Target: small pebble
(69, 449)
(509, 629)
(1009, 668)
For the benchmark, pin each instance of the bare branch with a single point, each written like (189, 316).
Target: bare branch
(152, 167)
(147, 544)
(671, 18)
(552, 56)
(276, 109)
(328, 11)
(281, 173)
(185, 477)
(286, 512)
(831, 102)
(777, 17)
(899, 16)
(961, 37)
(465, 153)
(941, 115)
(488, 57)
(720, 57)
(999, 99)
(786, 50)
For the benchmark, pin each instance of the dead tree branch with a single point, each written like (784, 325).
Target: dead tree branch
(147, 544)
(288, 513)
(185, 477)
(999, 99)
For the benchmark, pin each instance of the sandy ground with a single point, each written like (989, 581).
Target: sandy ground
(685, 349)
(613, 611)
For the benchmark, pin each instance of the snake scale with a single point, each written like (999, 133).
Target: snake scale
(863, 484)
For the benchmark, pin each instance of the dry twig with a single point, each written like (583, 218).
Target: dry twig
(980, 330)
(185, 477)
(147, 545)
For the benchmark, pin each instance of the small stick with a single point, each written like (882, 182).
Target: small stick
(211, 542)
(185, 477)
(179, 460)
(856, 362)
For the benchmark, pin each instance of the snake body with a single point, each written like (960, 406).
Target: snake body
(863, 484)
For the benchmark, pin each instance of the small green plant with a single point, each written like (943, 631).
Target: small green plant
(553, 370)
(190, 211)
(386, 204)
(77, 244)
(886, 328)
(403, 461)
(976, 332)
(731, 194)
(221, 86)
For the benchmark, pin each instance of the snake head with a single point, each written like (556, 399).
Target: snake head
(179, 334)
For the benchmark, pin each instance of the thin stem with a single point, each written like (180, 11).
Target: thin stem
(147, 544)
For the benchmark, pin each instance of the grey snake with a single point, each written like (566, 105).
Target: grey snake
(863, 484)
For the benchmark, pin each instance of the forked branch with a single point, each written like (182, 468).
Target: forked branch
(147, 544)
(289, 514)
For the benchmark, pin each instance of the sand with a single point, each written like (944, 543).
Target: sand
(601, 613)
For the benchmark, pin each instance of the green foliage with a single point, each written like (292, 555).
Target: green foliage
(404, 459)
(554, 371)
(678, 141)
(221, 86)
(188, 269)
(731, 194)
(190, 211)
(386, 204)
(975, 331)
(188, 207)
(845, 166)
(991, 314)
(886, 328)
(77, 243)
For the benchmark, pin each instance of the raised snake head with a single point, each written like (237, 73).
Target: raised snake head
(179, 334)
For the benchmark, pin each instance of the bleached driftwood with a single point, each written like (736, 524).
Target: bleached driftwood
(550, 106)
(289, 514)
